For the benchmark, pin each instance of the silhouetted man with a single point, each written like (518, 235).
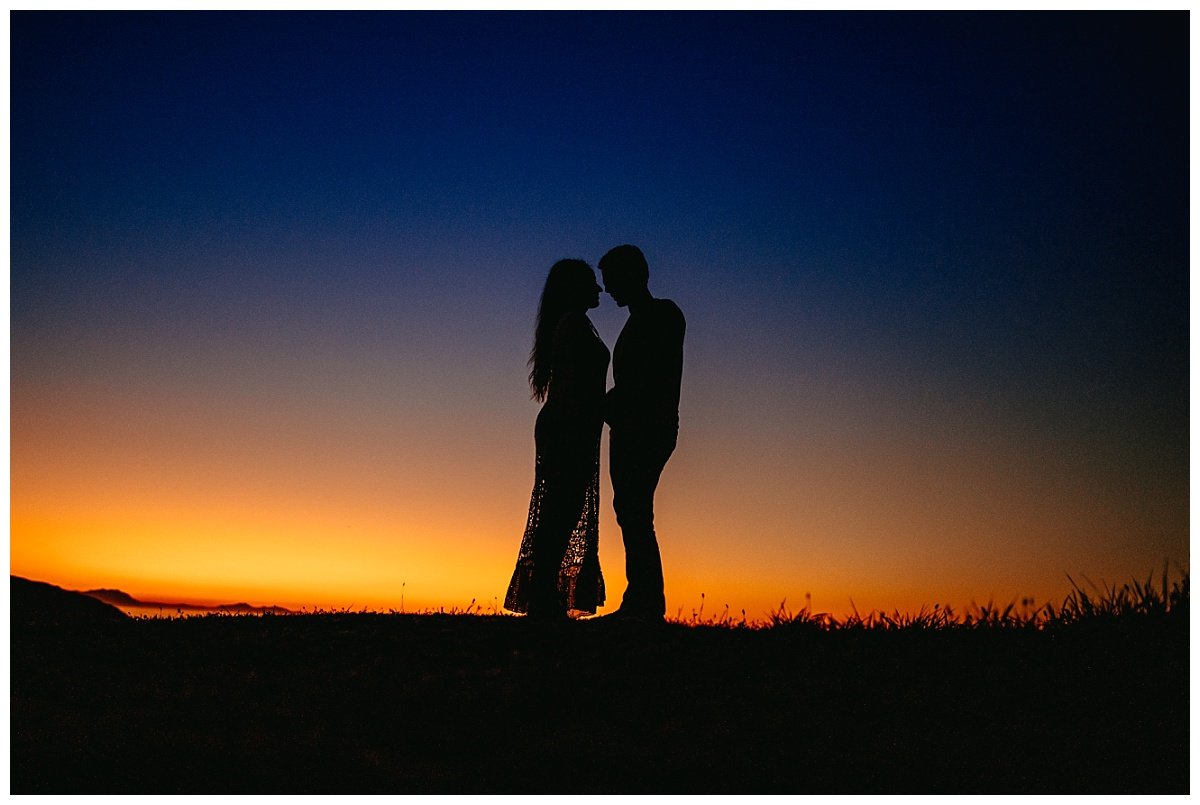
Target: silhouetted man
(642, 412)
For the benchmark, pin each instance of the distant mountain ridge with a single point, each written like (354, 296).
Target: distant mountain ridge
(112, 596)
(123, 599)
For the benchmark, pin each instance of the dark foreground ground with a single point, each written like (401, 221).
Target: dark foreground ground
(473, 704)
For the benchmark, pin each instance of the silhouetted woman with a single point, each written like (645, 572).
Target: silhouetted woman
(558, 567)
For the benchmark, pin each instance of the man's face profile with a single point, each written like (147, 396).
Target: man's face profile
(616, 285)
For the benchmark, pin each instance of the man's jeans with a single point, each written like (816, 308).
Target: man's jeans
(636, 460)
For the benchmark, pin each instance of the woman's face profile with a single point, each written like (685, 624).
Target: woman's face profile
(585, 291)
(593, 292)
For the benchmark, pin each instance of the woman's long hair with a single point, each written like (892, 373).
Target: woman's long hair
(561, 294)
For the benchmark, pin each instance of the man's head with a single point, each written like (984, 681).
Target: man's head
(625, 274)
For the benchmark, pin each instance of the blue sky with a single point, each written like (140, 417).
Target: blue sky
(908, 242)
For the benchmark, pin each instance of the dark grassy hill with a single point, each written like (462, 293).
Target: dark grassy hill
(37, 605)
(484, 704)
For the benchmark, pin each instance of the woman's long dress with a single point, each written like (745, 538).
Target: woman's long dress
(558, 566)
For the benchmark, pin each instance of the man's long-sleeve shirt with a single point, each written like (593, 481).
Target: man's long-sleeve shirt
(647, 369)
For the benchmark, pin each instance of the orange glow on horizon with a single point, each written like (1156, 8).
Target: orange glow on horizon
(384, 570)
(223, 499)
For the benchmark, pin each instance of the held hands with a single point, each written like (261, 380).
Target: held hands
(612, 407)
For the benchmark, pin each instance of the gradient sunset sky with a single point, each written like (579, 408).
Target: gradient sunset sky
(274, 276)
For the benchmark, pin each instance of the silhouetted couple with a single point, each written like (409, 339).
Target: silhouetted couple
(558, 568)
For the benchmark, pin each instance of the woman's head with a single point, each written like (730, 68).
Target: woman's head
(571, 287)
